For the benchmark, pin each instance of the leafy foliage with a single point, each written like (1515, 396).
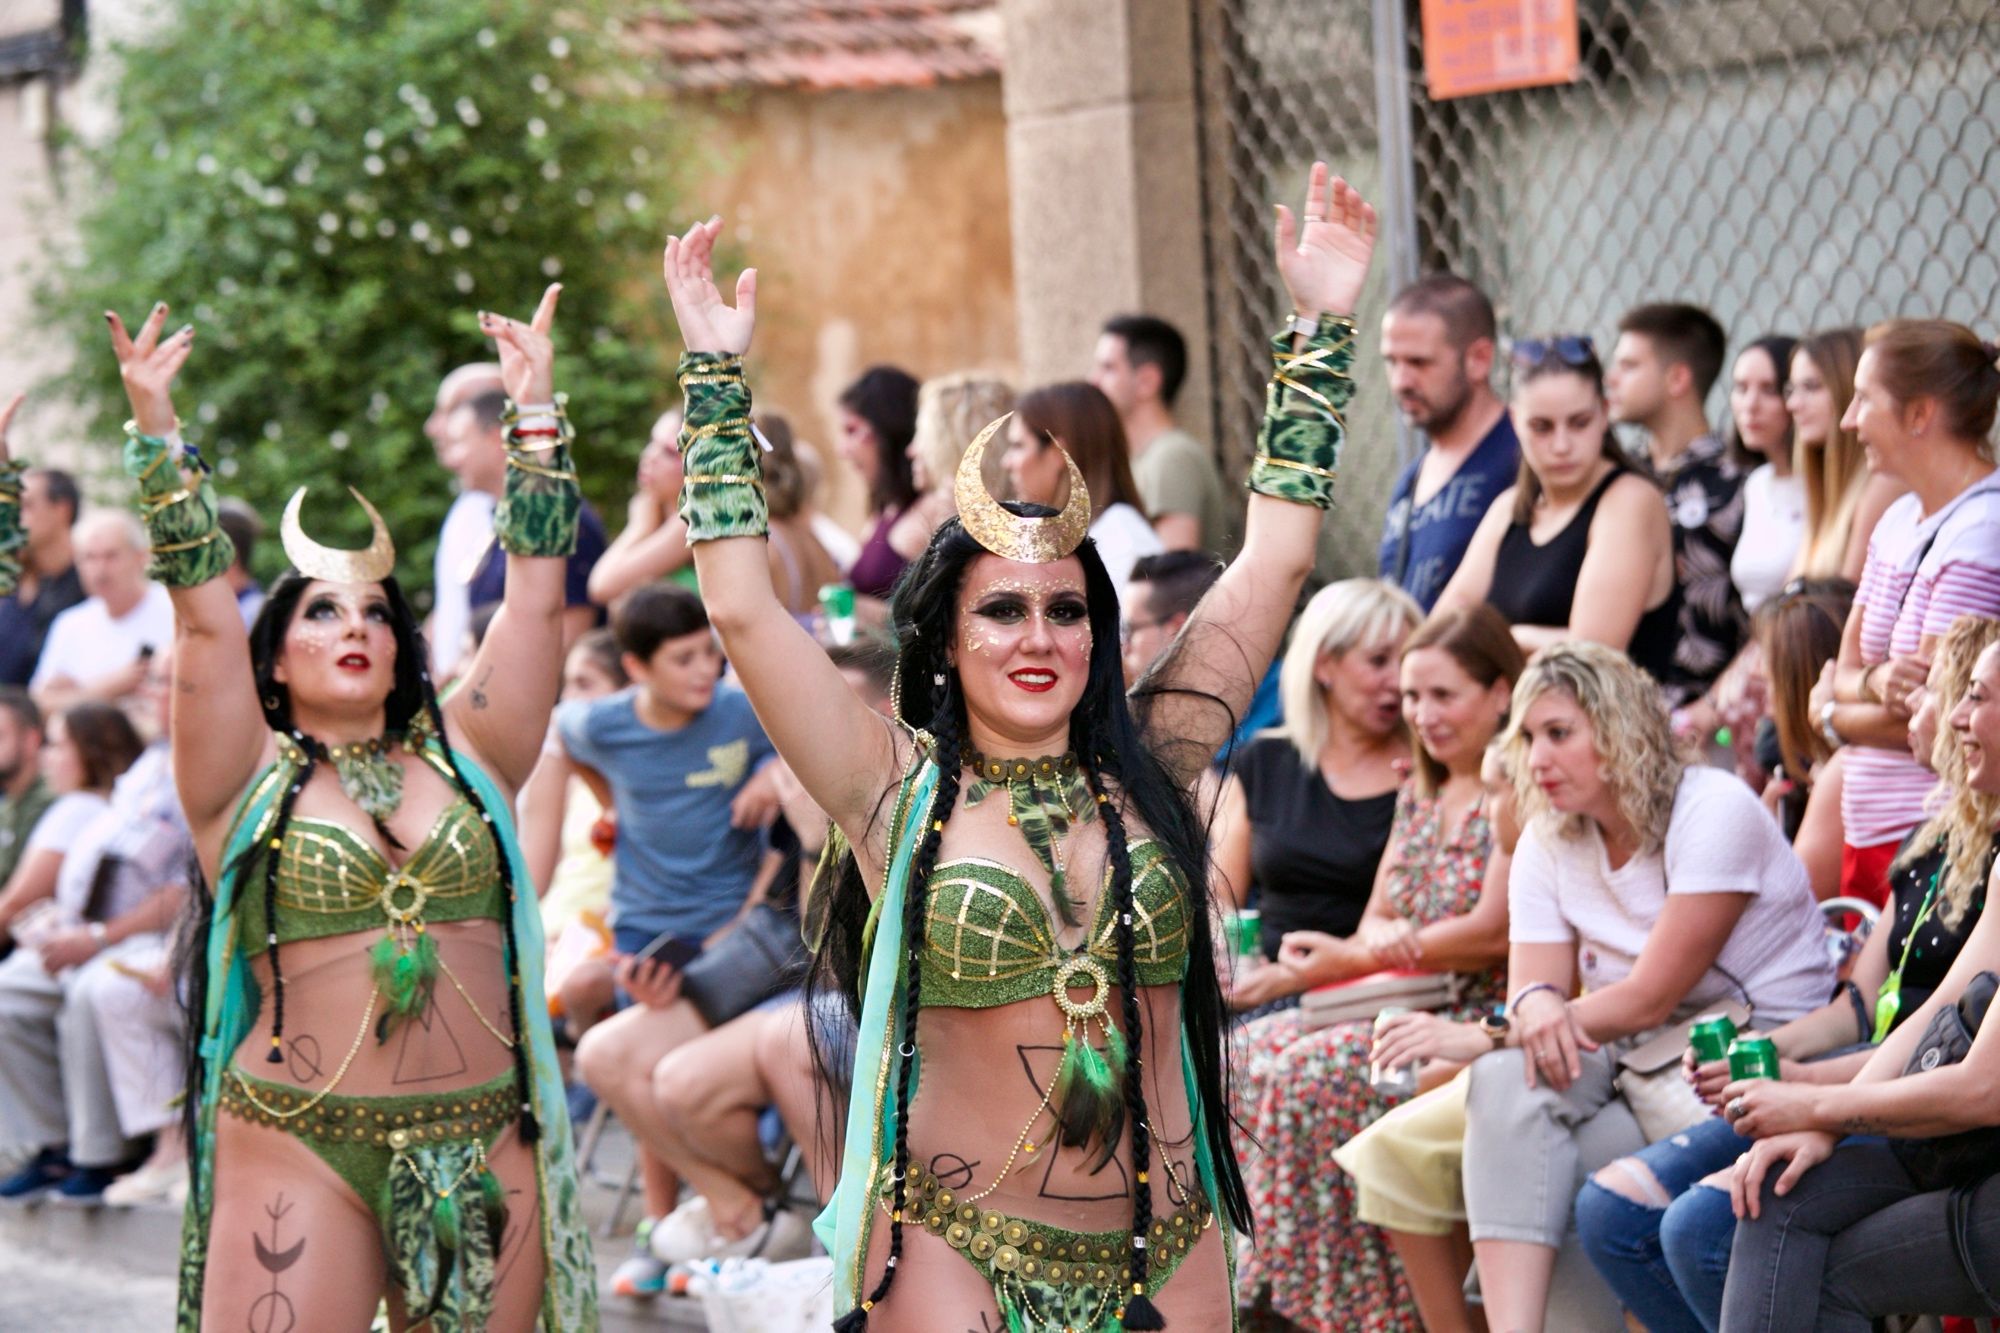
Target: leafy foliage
(329, 191)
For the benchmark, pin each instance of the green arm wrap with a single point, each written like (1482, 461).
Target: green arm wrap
(189, 545)
(723, 493)
(1298, 448)
(12, 538)
(537, 514)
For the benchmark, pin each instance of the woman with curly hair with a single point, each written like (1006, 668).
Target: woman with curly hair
(1659, 889)
(1038, 1131)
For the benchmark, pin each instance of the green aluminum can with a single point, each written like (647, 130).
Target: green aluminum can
(1247, 932)
(1753, 1057)
(1710, 1036)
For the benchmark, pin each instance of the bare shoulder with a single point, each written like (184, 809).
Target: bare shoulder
(1632, 498)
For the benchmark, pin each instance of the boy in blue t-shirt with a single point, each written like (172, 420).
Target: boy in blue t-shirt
(677, 756)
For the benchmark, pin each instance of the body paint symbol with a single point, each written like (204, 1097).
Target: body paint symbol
(302, 1054)
(273, 1312)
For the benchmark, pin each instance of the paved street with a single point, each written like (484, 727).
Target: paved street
(50, 1296)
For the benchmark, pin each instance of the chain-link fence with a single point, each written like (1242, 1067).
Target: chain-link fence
(1790, 164)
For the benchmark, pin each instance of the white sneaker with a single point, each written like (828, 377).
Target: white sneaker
(686, 1234)
(154, 1183)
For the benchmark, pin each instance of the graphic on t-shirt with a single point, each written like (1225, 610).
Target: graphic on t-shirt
(727, 765)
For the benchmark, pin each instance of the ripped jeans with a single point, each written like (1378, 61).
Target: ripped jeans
(1643, 1248)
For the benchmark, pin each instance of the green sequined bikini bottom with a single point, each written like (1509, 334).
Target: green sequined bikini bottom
(419, 1163)
(1046, 1277)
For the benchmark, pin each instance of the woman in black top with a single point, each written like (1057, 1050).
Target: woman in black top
(1579, 547)
(1307, 807)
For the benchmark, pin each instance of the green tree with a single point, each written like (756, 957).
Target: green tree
(330, 191)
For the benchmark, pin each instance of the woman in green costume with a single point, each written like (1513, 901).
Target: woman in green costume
(375, 1111)
(1021, 919)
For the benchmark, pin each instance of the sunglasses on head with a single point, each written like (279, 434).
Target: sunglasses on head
(1572, 349)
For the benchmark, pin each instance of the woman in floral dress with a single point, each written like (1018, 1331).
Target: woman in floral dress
(1439, 904)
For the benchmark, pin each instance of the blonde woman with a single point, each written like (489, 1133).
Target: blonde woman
(1844, 497)
(951, 409)
(1307, 808)
(1440, 905)
(1658, 889)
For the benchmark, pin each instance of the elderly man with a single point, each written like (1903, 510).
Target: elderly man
(98, 649)
(468, 524)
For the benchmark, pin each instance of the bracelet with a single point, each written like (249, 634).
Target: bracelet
(1528, 990)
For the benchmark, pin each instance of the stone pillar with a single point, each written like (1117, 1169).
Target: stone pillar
(1103, 172)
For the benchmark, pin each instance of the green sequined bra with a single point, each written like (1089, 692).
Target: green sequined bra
(988, 940)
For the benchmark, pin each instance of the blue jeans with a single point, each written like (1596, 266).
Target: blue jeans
(1624, 1238)
(1697, 1232)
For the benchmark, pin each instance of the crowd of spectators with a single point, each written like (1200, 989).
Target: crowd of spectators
(1631, 694)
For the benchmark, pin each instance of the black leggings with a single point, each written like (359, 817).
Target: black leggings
(1856, 1240)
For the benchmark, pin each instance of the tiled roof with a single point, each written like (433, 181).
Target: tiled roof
(708, 45)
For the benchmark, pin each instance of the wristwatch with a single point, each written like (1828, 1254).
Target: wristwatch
(1496, 1025)
(1305, 326)
(1833, 737)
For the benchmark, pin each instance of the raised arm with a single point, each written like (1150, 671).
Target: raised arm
(219, 736)
(502, 710)
(1229, 641)
(843, 752)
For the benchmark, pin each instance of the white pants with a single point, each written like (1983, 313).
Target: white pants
(53, 1086)
(141, 1035)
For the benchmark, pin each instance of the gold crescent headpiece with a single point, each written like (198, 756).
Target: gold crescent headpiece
(371, 564)
(1036, 541)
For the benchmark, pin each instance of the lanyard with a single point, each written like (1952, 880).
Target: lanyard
(1889, 1000)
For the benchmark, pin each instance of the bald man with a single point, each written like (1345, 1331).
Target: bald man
(468, 524)
(98, 648)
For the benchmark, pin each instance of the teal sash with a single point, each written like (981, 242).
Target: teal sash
(570, 1296)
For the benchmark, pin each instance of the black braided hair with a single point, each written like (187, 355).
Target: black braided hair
(286, 800)
(945, 727)
(1137, 1304)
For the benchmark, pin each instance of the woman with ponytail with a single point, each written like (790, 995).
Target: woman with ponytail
(1016, 904)
(374, 1108)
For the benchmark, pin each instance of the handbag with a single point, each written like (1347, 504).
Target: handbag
(1365, 997)
(763, 956)
(1649, 1077)
(1951, 1159)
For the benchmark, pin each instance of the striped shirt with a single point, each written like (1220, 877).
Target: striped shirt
(1922, 574)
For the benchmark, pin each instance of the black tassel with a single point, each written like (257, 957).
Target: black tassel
(1141, 1316)
(853, 1321)
(531, 1128)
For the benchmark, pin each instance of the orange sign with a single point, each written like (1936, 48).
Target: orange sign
(1484, 46)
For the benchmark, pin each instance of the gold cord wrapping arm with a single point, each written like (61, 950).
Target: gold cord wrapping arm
(542, 504)
(722, 494)
(178, 504)
(1305, 424)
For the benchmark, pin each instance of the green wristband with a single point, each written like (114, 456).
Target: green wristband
(13, 539)
(722, 494)
(179, 508)
(541, 502)
(1298, 446)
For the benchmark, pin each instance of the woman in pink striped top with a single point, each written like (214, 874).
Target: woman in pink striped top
(1924, 399)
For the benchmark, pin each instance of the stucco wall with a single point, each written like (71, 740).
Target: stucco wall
(877, 221)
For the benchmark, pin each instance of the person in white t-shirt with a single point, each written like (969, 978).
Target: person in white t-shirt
(1660, 890)
(1078, 417)
(98, 649)
(468, 524)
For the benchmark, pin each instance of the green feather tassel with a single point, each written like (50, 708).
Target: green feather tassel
(1089, 1099)
(1010, 1310)
(493, 1200)
(1116, 1054)
(405, 977)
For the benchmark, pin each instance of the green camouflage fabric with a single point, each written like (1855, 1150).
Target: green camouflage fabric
(178, 504)
(449, 1272)
(1045, 813)
(723, 495)
(538, 510)
(12, 538)
(1298, 446)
